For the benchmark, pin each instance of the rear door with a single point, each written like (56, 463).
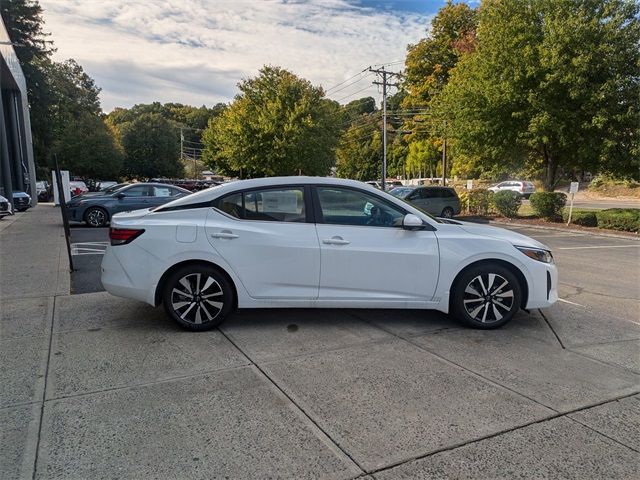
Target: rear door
(267, 237)
(366, 255)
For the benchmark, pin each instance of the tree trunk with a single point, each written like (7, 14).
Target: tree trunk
(551, 170)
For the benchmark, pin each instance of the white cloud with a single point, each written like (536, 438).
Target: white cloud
(195, 51)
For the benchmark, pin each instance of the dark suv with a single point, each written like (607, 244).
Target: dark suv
(438, 201)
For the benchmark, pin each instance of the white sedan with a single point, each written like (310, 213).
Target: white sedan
(306, 242)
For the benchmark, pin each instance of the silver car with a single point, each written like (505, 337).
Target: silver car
(522, 187)
(438, 201)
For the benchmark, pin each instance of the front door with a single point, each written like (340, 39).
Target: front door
(365, 252)
(264, 236)
(132, 198)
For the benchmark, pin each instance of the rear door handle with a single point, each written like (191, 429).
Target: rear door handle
(228, 235)
(335, 241)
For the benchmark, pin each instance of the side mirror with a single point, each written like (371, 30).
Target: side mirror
(412, 222)
(120, 196)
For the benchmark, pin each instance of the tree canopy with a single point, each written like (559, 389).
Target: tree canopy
(152, 147)
(279, 124)
(551, 82)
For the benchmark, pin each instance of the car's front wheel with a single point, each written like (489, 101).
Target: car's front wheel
(96, 217)
(447, 212)
(198, 297)
(486, 296)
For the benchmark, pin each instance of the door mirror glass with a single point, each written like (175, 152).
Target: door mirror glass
(412, 222)
(120, 195)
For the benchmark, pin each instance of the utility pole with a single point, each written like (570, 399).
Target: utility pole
(181, 145)
(444, 155)
(385, 76)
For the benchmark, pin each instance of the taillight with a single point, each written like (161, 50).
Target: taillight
(122, 236)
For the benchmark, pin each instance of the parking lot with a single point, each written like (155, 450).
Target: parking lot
(100, 387)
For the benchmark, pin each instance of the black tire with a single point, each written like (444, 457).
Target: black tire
(96, 217)
(487, 310)
(183, 299)
(447, 212)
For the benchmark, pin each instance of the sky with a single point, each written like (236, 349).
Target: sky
(196, 51)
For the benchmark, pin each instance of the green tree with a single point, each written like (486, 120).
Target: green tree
(151, 146)
(359, 152)
(24, 22)
(429, 61)
(86, 146)
(279, 124)
(555, 83)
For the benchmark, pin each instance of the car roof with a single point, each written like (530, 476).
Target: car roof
(219, 190)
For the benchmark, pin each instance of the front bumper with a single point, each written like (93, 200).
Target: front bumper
(543, 288)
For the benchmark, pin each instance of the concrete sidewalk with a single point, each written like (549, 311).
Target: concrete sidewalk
(93, 386)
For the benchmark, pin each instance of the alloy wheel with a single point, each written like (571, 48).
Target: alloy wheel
(197, 298)
(488, 297)
(96, 217)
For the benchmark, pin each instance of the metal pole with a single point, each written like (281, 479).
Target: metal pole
(63, 211)
(444, 156)
(384, 129)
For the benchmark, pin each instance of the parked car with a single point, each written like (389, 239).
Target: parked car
(388, 185)
(43, 190)
(522, 187)
(438, 201)
(102, 185)
(77, 187)
(107, 190)
(96, 209)
(5, 207)
(318, 242)
(21, 201)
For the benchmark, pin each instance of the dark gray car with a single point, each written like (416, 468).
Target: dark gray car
(96, 210)
(438, 201)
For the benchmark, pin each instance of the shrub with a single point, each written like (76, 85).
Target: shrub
(548, 205)
(463, 195)
(480, 201)
(586, 218)
(507, 203)
(625, 219)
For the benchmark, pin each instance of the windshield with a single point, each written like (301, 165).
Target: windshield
(401, 191)
(114, 188)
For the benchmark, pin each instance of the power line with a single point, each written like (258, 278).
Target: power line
(354, 93)
(345, 81)
(349, 84)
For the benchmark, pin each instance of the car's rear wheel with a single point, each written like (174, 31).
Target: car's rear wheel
(447, 212)
(198, 297)
(96, 217)
(486, 296)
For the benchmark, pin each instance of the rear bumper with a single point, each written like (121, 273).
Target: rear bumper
(116, 281)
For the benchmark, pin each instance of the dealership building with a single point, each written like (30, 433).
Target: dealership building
(17, 167)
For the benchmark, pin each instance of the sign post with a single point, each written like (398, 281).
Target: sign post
(573, 189)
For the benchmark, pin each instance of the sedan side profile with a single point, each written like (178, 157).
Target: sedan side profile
(318, 242)
(96, 209)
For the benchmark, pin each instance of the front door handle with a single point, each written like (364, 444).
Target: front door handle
(335, 241)
(227, 234)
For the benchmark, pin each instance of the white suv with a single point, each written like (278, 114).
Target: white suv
(522, 187)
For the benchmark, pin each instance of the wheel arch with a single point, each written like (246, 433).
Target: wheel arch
(173, 268)
(522, 280)
(100, 207)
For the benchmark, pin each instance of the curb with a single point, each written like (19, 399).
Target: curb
(565, 230)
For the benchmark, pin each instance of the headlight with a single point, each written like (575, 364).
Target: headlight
(538, 254)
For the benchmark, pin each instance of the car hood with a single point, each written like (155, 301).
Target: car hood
(501, 233)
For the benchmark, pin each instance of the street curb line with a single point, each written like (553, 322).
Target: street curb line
(558, 229)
